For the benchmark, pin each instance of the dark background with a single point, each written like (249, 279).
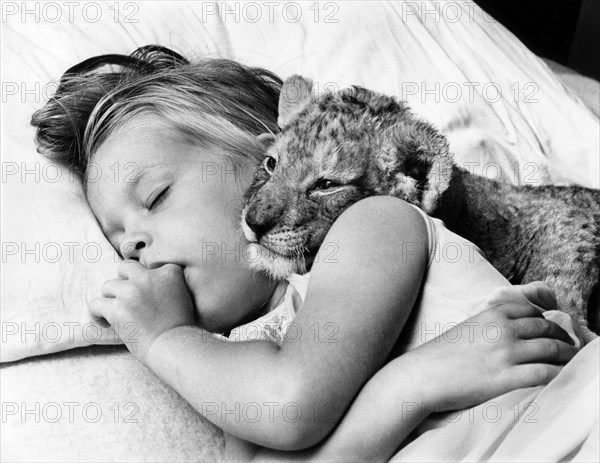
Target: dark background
(565, 31)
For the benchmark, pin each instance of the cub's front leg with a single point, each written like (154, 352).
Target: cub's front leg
(575, 284)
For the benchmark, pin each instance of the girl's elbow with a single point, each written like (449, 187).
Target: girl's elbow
(287, 433)
(309, 420)
(300, 435)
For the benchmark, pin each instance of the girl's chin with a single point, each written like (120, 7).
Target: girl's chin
(214, 322)
(197, 303)
(209, 319)
(214, 326)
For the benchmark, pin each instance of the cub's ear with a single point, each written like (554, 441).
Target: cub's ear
(296, 93)
(422, 153)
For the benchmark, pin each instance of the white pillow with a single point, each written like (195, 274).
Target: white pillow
(426, 52)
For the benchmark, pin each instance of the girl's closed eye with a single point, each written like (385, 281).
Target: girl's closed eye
(157, 197)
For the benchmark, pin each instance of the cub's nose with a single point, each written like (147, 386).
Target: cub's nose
(259, 228)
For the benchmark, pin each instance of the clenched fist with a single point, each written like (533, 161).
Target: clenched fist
(151, 301)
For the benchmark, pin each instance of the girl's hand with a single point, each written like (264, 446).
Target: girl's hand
(507, 346)
(144, 303)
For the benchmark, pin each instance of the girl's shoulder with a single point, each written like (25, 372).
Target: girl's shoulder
(439, 243)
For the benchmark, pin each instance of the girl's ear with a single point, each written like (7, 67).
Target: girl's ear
(266, 139)
(295, 94)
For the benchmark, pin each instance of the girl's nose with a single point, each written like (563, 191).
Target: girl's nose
(138, 247)
(134, 240)
(132, 249)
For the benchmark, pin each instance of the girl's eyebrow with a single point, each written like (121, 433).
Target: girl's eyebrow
(139, 174)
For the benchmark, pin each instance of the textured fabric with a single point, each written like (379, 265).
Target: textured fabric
(98, 404)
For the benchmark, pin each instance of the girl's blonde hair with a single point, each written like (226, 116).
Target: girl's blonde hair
(216, 103)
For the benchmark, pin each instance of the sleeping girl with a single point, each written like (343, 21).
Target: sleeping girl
(338, 388)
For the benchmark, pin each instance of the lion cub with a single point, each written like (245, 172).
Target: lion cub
(337, 148)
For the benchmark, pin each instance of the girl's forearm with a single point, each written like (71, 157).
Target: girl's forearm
(239, 387)
(388, 408)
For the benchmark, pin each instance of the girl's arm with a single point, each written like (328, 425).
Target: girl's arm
(387, 409)
(277, 397)
(446, 373)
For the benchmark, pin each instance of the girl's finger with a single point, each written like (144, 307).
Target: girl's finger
(101, 309)
(540, 294)
(532, 374)
(544, 350)
(129, 268)
(530, 328)
(512, 303)
(111, 288)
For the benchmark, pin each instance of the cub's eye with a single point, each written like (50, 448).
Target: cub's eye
(325, 184)
(269, 164)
